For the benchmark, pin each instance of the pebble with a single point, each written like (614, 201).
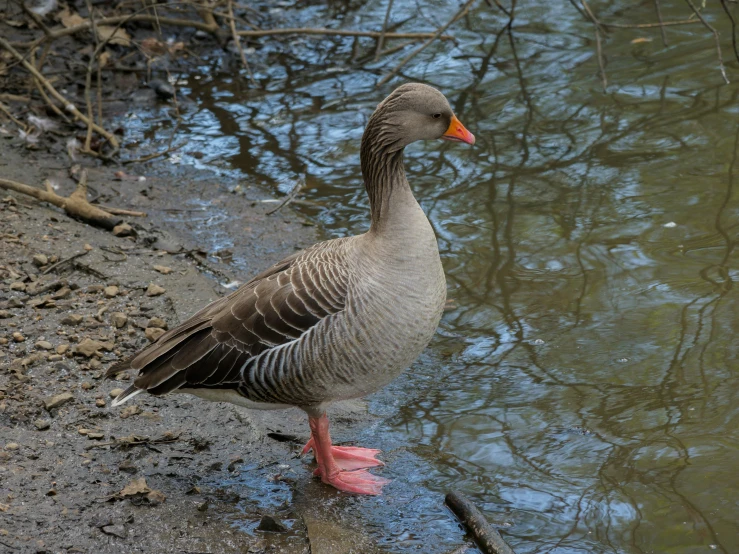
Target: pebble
(88, 347)
(15, 303)
(72, 319)
(62, 293)
(5, 314)
(110, 291)
(153, 333)
(12, 446)
(129, 411)
(58, 400)
(17, 337)
(18, 285)
(155, 290)
(119, 319)
(157, 322)
(40, 260)
(42, 424)
(3, 340)
(62, 348)
(163, 89)
(86, 385)
(163, 269)
(115, 392)
(44, 345)
(271, 524)
(123, 230)
(100, 403)
(87, 247)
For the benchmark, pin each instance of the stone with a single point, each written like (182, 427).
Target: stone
(86, 385)
(271, 524)
(110, 291)
(116, 392)
(12, 446)
(72, 319)
(62, 293)
(15, 302)
(123, 230)
(17, 337)
(153, 333)
(130, 411)
(155, 290)
(44, 345)
(88, 347)
(40, 260)
(115, 530)
(42, 424)
(62, 349)
(118, 319)
(157, 322)
(100, 403)
(58, 400)
(5, 314)
(18, 285)
(163, 269)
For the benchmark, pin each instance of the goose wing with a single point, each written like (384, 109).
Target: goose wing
(278, 306)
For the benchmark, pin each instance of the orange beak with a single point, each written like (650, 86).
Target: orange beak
(458, 133)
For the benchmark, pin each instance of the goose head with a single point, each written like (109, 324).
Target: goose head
(414, 112)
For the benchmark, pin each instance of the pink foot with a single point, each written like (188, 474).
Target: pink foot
(357, 482)
(350, 458)
(342, 467)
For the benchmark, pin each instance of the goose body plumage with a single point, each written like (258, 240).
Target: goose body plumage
(335, 321)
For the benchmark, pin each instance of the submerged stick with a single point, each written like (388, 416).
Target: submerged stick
(486, 537)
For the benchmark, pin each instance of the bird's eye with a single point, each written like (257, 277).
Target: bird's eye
(437, 115)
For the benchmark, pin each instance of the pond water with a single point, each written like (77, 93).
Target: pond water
(583, 388)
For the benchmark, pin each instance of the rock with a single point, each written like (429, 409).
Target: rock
(153, 333)
(115, 530)
(87, 247)
(127, 467)
(58, 400)
(72, 319)
(88, 347)
(271, 524)
(163, 89)
(118, 319)
(18, 285)
(155, 290)
(123, 230)
(40, 259)
(157, 322)
(129, 411)
(44, 345)
(110, 291)
(86, 385)
(5, 314)
(116, 392)
(17, 337)
(3, 340)
(163, 269)
(42, 424)
(12, 446)
(62, 293)
(62, 348)
(15, 302)
(100, 403)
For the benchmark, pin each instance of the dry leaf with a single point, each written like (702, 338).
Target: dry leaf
(103, 59)
(70, 19)
(137, 486)
(114, 35)
(153, 47)
(641, 39)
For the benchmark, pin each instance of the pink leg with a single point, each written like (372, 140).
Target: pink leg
(333, 472)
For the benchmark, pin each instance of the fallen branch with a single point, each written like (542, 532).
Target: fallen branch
(486, 537)
(339, 32)
(68, 106)
(460, 14)
(76, 205)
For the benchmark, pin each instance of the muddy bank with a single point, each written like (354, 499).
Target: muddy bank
(75, 299)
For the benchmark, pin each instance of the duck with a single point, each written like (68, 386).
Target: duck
(336, 321)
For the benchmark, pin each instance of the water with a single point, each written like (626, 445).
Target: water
(583, 388)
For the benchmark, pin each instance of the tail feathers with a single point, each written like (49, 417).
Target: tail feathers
(130, 392)
(119, 367)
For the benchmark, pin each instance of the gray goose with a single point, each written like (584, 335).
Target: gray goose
(335, 321)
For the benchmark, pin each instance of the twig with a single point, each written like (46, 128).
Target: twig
(6, 110)
(120, 211)
(649, 25)
(461, 13)
(64, 261)
(715, 36)
(733, 28)
(337, 32)
(486, 537)
(68, 106)
(76, 205)
(237, 42)
(381, 40)
(290, 195)
(661, 23)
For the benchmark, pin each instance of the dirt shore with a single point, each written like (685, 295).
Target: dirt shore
(175, 474)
